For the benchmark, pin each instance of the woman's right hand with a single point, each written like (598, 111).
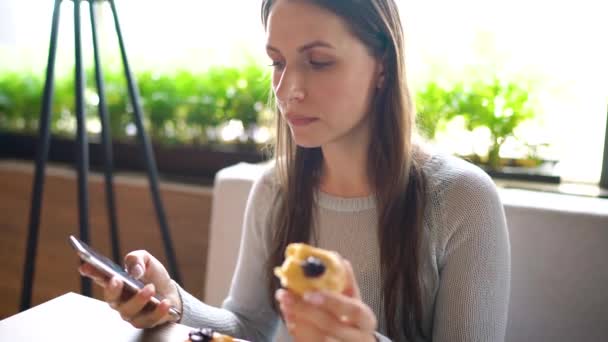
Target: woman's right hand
(133, 307)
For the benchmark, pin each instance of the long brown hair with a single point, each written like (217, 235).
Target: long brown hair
(393, 168)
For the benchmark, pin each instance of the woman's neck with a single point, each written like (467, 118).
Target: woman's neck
(344, 172)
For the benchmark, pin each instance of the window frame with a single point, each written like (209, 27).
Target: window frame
(604, 175)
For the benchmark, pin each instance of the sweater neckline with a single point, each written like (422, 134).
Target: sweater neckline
(346, 204)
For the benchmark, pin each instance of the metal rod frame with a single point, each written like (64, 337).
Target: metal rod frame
(82, 150)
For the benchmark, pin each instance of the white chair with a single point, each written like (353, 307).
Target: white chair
(230, 191)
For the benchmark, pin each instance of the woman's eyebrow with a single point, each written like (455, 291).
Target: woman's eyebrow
(271, 48)
(316, 43)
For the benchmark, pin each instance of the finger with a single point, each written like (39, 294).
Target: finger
(307, 320)
(352, 288)
(137, 262)
(132, 307)
(285, 299)
(344, 309)
(158, 316)
(112, 292)
(305, 333)
(302, 331)
(87, 270)
(323, 320)
(301, 328)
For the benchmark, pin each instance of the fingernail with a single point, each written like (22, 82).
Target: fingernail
(137, 271)
(314, 298)
(113, 283)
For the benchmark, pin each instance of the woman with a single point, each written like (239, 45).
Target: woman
(425, 233)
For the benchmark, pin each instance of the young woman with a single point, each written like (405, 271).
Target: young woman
(424, 234)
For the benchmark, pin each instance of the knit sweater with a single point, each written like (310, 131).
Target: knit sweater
(464, 266)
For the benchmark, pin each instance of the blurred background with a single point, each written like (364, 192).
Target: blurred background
(518, 87)
(518, 80)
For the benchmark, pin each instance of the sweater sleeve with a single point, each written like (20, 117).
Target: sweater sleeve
(246, 312)
(473, 261)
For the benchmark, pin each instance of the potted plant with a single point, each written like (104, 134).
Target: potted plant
(498, 105)
(20, 101)
(433, 109)
(180, 109)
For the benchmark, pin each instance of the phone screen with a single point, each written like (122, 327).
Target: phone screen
(110, 268)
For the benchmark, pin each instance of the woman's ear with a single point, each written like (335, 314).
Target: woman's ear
(380, 74)
(380, 81)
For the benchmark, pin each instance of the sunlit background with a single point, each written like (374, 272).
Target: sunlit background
(558, 46)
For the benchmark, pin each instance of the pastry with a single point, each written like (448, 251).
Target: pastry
(307, 268)
(208, 335)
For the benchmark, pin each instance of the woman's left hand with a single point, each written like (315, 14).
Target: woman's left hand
(325, 316)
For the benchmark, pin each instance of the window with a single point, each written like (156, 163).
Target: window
(558, 45)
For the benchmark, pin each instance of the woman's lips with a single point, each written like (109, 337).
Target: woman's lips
(297, 120)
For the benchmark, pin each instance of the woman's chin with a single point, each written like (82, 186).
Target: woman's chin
(306, 143)
(302, 145)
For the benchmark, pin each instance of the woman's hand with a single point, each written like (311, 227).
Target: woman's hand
(134, 307)
(324, 316)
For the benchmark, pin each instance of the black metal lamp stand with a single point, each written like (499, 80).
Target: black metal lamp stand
(82, 149)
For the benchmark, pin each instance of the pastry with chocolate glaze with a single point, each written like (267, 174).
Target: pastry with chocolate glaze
(308, 268)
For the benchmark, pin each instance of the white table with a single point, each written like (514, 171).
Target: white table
(73, 317)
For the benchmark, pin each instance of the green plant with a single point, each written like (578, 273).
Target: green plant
(120, 113)
(178, 105)
(64, 118)
(207, 97)
(434, 106)
(159, 101)
(225, 93)
(498, 105)
(20, 100)
(251, 91)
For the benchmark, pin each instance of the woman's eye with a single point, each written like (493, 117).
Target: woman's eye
(276, 64)
(319, 64)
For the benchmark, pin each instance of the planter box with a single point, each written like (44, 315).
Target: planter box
(194, 164)
(197, 164)
(541, 174)
(520, 169)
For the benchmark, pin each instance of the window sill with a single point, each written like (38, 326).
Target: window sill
(572, 198)
(564, 188)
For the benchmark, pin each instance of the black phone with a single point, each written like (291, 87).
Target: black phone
(111, 269)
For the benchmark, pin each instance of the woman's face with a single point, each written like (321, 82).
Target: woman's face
(323, 76)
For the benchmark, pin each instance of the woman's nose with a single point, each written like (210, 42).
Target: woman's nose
(290, 88)
(296, 95)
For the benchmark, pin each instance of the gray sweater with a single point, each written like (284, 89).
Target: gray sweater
(465, 264)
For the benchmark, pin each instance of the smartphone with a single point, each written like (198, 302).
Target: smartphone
(110, 269)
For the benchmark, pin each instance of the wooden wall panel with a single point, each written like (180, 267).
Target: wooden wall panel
(187, 207)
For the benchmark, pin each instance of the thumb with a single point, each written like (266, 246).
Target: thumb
(136, 263)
